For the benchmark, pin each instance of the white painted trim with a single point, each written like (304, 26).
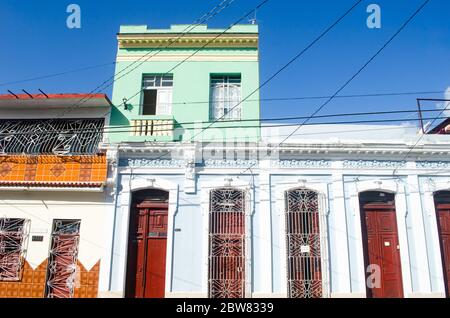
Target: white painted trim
(196, 58)
(322, 190)
(51, 189)
(391, 186)
(421, 270)
(266, 252)
(338, 221)
(348, 295)
(207, 187)
(140, 183)
(430, 187)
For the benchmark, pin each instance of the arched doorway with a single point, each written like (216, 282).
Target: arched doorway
(304, 258)
(226, 272)
(381, 245)
(147, 244)
(442, 204)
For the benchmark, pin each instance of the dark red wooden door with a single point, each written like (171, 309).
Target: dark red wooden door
(383, 249)
(443, 216)
(150, 240)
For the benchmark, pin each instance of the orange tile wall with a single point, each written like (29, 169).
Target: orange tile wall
(32, 283)
(53, 168)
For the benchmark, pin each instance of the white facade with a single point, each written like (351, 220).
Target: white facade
(337, 166)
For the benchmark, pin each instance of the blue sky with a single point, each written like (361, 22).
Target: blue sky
(36, 41)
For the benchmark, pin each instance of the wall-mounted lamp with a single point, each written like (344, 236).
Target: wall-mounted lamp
(125, 105)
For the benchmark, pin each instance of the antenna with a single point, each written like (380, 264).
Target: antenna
(254, 20)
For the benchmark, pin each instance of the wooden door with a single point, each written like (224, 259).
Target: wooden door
(147, 251)
(227, 244)
(443, 217)
(382, 249)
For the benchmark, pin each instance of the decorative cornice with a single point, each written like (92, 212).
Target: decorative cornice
(373, 164)
(152, 163)
(187, 41)
(239, 163)
(433, 164)
(302, 164)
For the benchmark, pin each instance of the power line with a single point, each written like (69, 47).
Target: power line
(290, 62)
(261, 4)
(290, 118)
(303, 51)
(111, 129)
(342, 87)
(217, 9)
(58, 74)
(313, 97)
(421, 136)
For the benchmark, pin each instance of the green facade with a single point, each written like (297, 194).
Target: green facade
(191, 68)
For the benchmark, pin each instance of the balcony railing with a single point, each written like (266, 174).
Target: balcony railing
(154, 127)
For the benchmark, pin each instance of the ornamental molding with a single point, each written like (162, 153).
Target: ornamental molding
(239, 163)
(302, 164)
(433, 164)
(152, 163)
(188, 41)
(373, 164)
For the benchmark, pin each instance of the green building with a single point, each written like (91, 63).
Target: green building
(172, 84)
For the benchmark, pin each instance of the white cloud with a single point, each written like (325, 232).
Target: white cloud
(445, 104)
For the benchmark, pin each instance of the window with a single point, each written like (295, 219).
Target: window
(227, 243)
(226, 97)
(157, 95)
(63, 258)
(11, 248)
(51, 136)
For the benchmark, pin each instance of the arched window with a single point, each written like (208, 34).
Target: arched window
(304, 262)
(226, 277)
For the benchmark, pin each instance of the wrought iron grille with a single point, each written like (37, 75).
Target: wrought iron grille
(13, 235)
(62, 264)
(304, 267)
(226, 244)
(61, 137)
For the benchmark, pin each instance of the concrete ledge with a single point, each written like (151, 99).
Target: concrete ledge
(348, 295)
(427, 295)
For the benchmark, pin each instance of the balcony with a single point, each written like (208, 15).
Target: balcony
(157, 128)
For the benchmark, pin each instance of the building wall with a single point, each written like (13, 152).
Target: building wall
(191, 85)
(340, 182)
(41, 208)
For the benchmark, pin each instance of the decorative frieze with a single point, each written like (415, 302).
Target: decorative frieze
(374, 164)
(433, 164)
(152, 163)
(239, 163)
(302, 164)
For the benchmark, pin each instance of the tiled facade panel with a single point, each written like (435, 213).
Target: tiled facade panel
(32, 283)
(53, 168)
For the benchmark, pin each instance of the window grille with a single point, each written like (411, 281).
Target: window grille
(227, 244)
(13, 235)
(62, 264)
(47, 136)
(304, 260)
(226, 97)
